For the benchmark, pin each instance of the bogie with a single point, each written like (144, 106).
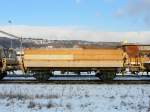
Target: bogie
(2, 75)
(42, 75)
(106, 75)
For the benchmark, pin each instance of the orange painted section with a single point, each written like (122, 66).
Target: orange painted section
(132, 51)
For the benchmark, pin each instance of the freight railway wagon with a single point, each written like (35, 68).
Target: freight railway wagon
(106, 62)
(137, 57)
(8, 61)
(145, 55)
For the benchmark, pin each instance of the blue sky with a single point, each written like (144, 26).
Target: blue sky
(102, 15)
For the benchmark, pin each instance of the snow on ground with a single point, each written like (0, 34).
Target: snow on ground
(74, 98)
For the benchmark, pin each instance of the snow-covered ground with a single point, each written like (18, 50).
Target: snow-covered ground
(74, 98)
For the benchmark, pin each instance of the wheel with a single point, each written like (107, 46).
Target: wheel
(42, 76)
(106, 75)
(134, 72)
(78, 73)
(2, 75)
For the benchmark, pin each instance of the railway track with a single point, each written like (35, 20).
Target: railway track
(75, 82)
(27, 75)
(72, 79)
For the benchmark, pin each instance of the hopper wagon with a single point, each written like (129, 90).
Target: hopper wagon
(8, 61)
(106, 62)
(138, 57)
(145, 55)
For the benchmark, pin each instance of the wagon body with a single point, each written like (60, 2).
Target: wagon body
(138, 57)
(72, 59)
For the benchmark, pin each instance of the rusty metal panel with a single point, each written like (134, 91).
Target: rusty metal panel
(132, 50)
